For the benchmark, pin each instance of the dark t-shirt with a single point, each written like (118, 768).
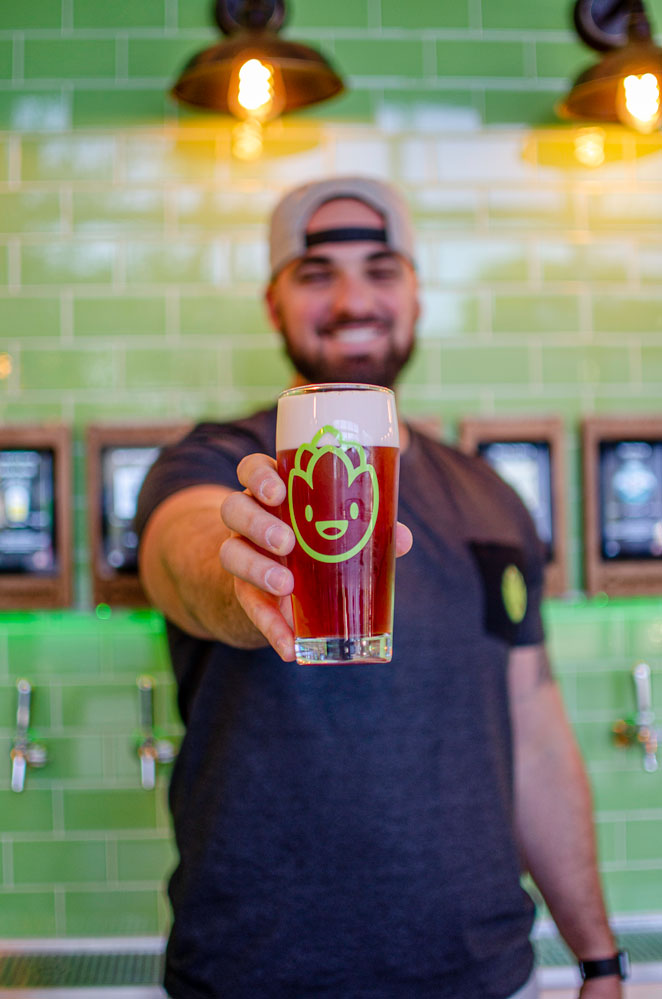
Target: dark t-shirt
(346, 831)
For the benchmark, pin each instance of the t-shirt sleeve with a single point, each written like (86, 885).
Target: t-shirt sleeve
(208, 455)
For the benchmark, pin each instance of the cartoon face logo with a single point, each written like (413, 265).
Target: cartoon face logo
(333, 497)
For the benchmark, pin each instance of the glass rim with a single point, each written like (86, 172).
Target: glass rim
(320, 387)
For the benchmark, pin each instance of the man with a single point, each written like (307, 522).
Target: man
(360, 831)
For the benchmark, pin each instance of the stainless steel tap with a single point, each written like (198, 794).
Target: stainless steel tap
(641, 729)
(24, 751)
(151, 750)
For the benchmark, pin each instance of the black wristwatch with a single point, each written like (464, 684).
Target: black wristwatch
(618, 964)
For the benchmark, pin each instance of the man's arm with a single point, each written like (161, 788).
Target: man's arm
(553, 814)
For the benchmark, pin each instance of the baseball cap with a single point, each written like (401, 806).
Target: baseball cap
(287, 230)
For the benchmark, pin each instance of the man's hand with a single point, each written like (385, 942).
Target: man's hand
(259, 541)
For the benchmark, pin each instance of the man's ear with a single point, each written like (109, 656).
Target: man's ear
(271, 306)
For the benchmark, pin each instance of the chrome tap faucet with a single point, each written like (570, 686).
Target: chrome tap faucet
(641, 729)
(151, 750)
(24, 751)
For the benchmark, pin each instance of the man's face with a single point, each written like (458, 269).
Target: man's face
(346, 310)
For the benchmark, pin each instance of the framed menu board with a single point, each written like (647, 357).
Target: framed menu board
(622, 466)
(118, 458)
(527, 452)
(35, 517)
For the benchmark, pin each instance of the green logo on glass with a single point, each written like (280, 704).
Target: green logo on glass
(333, 497)
(513, 592)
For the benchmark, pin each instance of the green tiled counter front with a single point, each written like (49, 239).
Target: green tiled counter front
(85, 851)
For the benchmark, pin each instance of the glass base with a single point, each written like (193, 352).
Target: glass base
(343, 651)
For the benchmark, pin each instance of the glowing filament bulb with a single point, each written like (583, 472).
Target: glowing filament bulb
(642, 97)
(256, 87)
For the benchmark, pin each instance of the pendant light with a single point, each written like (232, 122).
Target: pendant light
(626, 84)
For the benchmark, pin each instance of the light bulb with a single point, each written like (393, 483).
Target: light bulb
(590, 147)
(247, 140)
(641, 101)
(256, 88)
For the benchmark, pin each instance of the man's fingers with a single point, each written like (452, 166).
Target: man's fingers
(243, 561)
(257, 472)
(404, 539)
(244, 516)
(266, 613)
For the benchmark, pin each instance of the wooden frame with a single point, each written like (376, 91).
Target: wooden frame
(21, 590)
(622, 576)
(110, 586)
(535, 430)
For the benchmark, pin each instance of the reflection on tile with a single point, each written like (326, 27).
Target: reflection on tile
(68, 158)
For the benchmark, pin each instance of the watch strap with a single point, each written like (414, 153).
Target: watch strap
(617, 964)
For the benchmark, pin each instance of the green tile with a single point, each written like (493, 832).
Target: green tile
(31, 811)
(68, 368)
(427, 14)
(625, 209)
(627, 314)
(37, 14)
(4, 160)
(644, 839)
(109, 809)
(530, 208)
(27, 914)
(75, 758)
(363, 57)
(480, 58)
(644, 637)
(536, 314)
(261, 366)
(432, 208)
(118, 912)
(650, 264)
(585, 365)
(68, 263)
(340, 14)
(183, 159)
(169, 367)
(474, 261)
(114, 316)
(520, 107)
(35, 110)
(118, 210)
(465, 102)
(100, 707)
(609, 836)
(102, 107)
(633, 891)
(6, 59)
(70, 159)
(562, 59)
(30, 211)
(627, 790)
(592, 262)
(171, 262)
(31, 412)
(651, 364)
(145, 859)
(484, 365)
(145, 649)
(194, 14)
(520, 15)
(59, 862)
(587, 635)
(200, 314)
(4, 265)
(447, 313)
(67, 58)
(607, 691)
(46, 652)
(146, 14)
(166, 57)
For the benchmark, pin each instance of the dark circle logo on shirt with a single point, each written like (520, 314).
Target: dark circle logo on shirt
(513, 593)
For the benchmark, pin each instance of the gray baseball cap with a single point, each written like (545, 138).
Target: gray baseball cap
(287, 230)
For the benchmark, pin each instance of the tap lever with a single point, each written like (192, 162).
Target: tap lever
(146, 705)
(24, 688)
(151, 750)
(642, 684)
(24, 752)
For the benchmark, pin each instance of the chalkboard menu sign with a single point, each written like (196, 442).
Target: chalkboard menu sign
(527, 453)
(622, 459)
(35, 510)
(118, 458)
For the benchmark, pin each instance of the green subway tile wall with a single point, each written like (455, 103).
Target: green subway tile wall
(131, 269)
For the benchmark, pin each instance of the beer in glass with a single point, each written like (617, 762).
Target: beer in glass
(338, 453)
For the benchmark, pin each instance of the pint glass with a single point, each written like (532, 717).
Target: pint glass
(338, 453)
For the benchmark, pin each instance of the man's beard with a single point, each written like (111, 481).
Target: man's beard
(364, 369)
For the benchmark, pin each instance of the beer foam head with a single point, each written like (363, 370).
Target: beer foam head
(364, 414)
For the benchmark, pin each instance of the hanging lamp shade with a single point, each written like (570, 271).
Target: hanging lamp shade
(626, 84)
(274, 75)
